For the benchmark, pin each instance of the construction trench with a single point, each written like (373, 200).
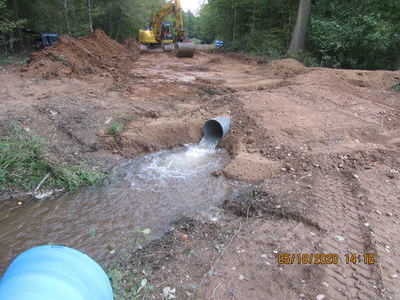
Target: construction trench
(310, 166)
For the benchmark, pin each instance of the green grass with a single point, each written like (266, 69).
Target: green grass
(73, 177)
(115, 128)
(23, 166)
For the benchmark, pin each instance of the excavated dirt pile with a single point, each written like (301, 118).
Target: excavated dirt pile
(132, 45)
(93, 54)
(283, 68)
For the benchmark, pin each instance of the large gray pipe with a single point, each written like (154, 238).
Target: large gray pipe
(216, 128)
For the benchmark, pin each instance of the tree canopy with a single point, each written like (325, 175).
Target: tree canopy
(343, 34)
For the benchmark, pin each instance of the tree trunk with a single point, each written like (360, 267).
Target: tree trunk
(89, 11)
(119, 20)
(234, 25)
(253, 24)
(300, 29)
(65, 11)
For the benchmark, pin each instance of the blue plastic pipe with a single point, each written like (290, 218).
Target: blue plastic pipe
(54, 272)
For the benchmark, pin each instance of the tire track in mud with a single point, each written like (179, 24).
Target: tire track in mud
(343, 216)
(382, 196)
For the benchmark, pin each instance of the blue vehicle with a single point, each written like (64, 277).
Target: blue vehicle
(219, 43)
(45, 40)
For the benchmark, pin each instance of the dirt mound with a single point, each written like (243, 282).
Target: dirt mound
(132, 45)
(374, 79)
(251, 168)
(283, 68)
(69, 56)
(149, 135)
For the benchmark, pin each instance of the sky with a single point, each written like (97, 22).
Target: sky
(192, 5)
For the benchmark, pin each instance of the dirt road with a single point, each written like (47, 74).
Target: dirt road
(322, 146)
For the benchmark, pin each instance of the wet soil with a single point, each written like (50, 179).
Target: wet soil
(328, 140)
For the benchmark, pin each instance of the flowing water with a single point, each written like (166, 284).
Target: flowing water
(147, 192)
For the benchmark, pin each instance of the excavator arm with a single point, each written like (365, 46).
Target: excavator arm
(174, 8)
(154, 35)
(158, 18)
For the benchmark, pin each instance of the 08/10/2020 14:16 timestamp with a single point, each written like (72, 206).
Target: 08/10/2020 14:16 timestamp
(325, 258)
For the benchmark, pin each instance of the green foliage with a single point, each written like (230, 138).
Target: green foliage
(8, 26)
(255, 26)
(120, 18)
(342, 34)
(114, 128)
(189, 20)
(396, 87)
(22, 165)
(350, 35)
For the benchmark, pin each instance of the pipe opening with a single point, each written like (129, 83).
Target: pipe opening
(213, 130)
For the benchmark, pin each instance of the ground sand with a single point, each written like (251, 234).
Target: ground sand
(322, 144)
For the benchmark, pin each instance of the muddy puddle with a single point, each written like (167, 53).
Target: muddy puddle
(147, 192)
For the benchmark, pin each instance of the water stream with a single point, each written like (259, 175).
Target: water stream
(150, 192)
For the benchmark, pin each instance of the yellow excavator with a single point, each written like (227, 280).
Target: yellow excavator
(163, 34)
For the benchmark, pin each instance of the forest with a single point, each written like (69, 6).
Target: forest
(338, 33)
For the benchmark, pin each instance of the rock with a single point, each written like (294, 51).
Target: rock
(392, 173)
(169, 293)
(393, 275)
(250, 140)
(241, 277)
(339, 238)
(320, 297)
(217, 173)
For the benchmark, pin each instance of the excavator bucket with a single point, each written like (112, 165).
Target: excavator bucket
(185, 49)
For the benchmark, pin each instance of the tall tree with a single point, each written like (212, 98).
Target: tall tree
(299, 33)
(65, 7)
(89, 12)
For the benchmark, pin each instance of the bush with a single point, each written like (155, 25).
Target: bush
(343, 35)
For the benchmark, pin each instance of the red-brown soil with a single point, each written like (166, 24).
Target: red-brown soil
(94, 54)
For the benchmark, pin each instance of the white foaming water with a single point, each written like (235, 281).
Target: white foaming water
(150, 192)
(208, 144)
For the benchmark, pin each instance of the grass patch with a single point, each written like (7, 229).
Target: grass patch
(22, 165)
(74, 177)
(115, 128)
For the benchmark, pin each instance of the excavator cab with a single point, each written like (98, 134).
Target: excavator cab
(167, 39)
(166, 33)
